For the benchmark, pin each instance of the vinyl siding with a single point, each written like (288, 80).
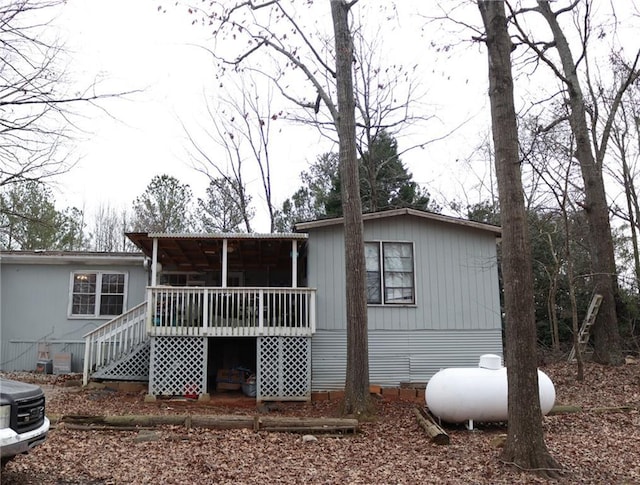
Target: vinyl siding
(326, 274)
(456, 277)
(34, 305)
(401, 356)
(21, 355)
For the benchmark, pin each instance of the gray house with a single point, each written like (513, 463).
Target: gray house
(49, 300)
(433, 295)
(221, 306)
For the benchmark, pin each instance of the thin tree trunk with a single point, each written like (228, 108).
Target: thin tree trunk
(575, 325)
(632, 207)
(551, 299)
(525, 447)
(357, 399)
(606, 332)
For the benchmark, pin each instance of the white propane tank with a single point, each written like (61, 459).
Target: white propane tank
(456, 395)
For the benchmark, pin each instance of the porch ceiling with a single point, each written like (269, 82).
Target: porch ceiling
(200, 252)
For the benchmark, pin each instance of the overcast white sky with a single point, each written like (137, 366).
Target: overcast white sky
(129, 45)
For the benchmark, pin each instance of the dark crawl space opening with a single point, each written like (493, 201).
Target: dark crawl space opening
(230, 362)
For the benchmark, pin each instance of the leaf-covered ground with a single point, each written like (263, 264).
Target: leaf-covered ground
(599, 446)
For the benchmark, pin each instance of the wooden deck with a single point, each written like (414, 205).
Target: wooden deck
(201, 312)
(237, 312)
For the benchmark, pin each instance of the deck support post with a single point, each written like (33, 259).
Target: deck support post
(294, 263)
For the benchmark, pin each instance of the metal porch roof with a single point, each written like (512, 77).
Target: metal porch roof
(197, 252)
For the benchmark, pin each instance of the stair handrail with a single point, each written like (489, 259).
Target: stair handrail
(114, 339)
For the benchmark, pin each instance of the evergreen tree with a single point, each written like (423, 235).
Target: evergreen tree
(220, 210)
(309, 201)
(29, 220)
(385, 183)
(165, 206)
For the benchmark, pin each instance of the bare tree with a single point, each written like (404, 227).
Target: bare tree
(552, 159)
(36, 107)
(356, 399)
(625, 135)
(293, 51)
(525, 446)
(591, 124)
(547, 153)
(241, 124)
(108, 230)
(386, 96)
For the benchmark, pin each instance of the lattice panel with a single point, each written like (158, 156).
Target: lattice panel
(178, 366)
(268, 366)
(284, 368)
(131, 367)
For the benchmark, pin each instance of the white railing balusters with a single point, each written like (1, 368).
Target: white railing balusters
(111, 341)
(203, 311)
(217, 311)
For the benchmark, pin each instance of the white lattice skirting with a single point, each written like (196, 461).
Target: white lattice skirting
(132, 367)
(284, 368)
(178, 366)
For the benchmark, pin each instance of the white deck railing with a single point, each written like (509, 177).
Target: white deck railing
(209, 311)
(115, 339)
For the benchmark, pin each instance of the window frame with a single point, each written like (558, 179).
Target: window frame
(98, 294)
(383, 272)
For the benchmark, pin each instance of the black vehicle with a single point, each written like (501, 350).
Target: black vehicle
(23, 423)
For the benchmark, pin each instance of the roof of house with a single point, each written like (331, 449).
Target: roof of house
(70, 257)
(497, 230)
(287, 236)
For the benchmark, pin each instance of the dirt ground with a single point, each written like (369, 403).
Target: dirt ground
(600, 445)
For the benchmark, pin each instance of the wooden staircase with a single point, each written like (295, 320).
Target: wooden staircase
(119, 349)
(585, 329)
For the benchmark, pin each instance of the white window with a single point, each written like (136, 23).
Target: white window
(390, 273)
(97, 294)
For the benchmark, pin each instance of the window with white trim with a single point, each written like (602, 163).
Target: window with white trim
(390, 273)
(97, 294)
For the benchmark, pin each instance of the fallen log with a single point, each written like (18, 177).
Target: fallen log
(615, 409)
(231, 421)
(125, 420)
(306, 425)
(91, 427)
(257, 423)
(435, 432)
(564, 409)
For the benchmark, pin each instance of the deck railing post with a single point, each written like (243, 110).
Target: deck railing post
(312, 311)
(87, 358)
(205, 312)
(260, 312)
(151, 309)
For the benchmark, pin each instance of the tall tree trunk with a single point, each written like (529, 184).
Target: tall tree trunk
(357, 399)
(525, 446)
(606, 332)
(632, 208)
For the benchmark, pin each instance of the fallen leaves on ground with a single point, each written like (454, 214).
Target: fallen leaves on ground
(592, 446)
